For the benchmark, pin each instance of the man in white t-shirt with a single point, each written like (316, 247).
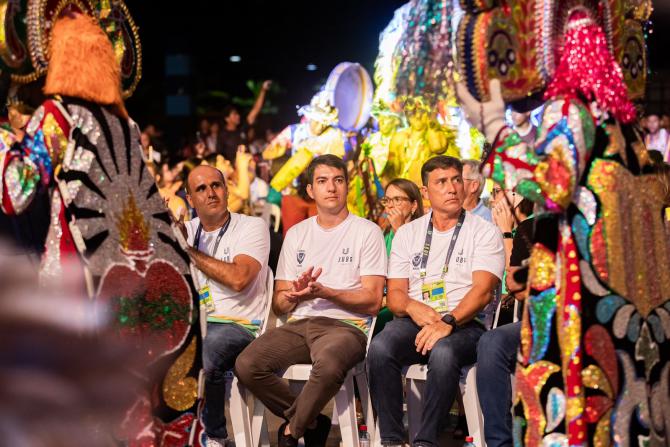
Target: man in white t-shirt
(330, 279)
(442, 270)
(229, 253)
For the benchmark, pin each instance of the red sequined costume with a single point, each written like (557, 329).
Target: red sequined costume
(107, 216)
(594, 363)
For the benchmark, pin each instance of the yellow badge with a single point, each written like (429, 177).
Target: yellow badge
(434, 294)
(206, 299)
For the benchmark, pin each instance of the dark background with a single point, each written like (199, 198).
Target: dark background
(276, 40)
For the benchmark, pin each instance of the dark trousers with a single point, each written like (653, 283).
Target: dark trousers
(394, 349)
(221, 346)
(496, 354)
(331, 346)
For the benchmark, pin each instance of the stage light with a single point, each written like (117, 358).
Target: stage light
(235, 58)
(310, 67)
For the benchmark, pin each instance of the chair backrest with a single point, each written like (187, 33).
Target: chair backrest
(515, 317)
(269, 291)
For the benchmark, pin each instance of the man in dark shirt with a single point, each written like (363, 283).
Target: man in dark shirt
(235, 132)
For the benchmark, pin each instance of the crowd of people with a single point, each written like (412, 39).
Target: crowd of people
(336, 271)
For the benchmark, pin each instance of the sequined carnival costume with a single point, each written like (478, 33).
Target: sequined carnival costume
(107, 217)
(594, 362)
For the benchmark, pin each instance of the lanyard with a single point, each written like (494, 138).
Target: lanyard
(222, 231)
(429, 240)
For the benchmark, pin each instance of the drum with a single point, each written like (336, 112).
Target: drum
(350, 90)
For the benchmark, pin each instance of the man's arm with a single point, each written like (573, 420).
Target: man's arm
(237, 274)
(365, 300)
(281, 304)
(258, 105)
(399, 302)
(477, 297)
(475, 300)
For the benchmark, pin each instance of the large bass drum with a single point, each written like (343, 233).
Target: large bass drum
(350, 90)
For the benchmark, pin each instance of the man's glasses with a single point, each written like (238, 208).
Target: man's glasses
(394, 200)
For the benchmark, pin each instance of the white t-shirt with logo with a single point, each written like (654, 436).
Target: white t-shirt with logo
(246, 235)
(352, 249)
(479, 247)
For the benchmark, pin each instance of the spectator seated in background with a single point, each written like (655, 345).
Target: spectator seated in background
(442, 271)
(473, 184)
(497, 349)
(330, 279)
(230, 254)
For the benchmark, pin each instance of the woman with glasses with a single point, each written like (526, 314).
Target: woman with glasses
(402, 203)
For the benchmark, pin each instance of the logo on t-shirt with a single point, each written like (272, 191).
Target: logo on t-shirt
(300, 256)
(416, 260)
(345, 258)
(460, 259)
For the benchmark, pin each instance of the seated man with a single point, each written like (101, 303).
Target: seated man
(442, 270)
(230, 254)
(330, 278)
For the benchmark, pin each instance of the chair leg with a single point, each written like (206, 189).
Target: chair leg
(473, 412)
(414, 391)
(366, 403)
(345, 405)
(239, 415)
(259, 425)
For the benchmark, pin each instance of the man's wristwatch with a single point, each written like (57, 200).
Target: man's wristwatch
(451, 321)
(508, 235)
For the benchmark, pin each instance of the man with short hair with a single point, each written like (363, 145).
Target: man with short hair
(524, 127)
(442, 270)
(234, 131)
(473, 184)
(658, 138)
(230, 254)
(330, 279)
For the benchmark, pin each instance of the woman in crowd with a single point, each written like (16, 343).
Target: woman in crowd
(402, 204)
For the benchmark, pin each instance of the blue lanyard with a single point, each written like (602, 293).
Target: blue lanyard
(222, 231)
(429, 240)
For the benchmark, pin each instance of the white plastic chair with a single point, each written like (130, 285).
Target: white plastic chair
(415, 378)
(345, 399)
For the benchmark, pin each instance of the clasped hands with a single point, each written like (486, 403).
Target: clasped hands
(306, 287)
(433, 329)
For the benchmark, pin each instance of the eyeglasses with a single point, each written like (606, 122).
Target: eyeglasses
(394, 200)
(496, 191)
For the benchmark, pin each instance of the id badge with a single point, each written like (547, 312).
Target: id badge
(434, 294)
(206, 299)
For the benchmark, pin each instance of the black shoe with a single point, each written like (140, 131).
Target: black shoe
(285, 440)
(317, 437)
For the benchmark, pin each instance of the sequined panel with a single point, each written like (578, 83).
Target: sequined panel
(179, 390)
(632, 398)
(590, 281)
(529, 382)
(586, 203)
(582, 232)
(594, 377)
(555, 409)
(598, 344)
(632, 243)
(555, 440)
(541, 308)
(646, 351)
(542, 268)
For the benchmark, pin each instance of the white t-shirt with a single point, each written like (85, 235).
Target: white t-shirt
(246, 235)
(352, 249)
(479, 247)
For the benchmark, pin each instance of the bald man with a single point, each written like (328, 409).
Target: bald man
(230, 254)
